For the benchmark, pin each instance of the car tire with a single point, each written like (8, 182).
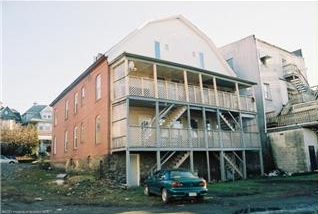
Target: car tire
(146, 190)
(200, 199)
(165, 196)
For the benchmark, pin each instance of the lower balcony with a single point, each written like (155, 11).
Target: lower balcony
(174, 138)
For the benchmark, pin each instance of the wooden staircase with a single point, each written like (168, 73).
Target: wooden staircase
(229, 122)
(232, 163)
(173, 115)
(171, 159)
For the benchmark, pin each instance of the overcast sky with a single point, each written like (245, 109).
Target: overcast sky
(46, 45)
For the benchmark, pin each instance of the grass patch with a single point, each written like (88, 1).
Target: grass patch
(85, 189)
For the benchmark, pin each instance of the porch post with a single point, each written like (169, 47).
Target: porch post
(244, 164)
(128, 171)
(190, 139)
(222, 165)
(261, 162)
(221, 158)
(243, 145)
(201, 88)
(215, 92)
(206, 143)
(155, 80)
(157, 137)
(186, 89)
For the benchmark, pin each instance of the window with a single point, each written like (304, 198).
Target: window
(98, 129)
(55, 117)
(201, 57)
(98, 84)
(157, 50)
(267, 93)
(54, 145)
(75, 102)
(66, 109)
(230, 62)
(75, 138)
(82, 96)
(65, 141)
(264, 59)
(82, 133)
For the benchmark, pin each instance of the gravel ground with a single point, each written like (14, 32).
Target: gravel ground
(8, 169)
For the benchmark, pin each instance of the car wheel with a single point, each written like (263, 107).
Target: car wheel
(200, 199)
(165, 195)
(146, 190)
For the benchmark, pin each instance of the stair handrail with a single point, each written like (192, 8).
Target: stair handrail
(162, 113)
(234, 119)
(170, 154)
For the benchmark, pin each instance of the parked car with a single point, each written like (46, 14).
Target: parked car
(10, 159)
(175, 184)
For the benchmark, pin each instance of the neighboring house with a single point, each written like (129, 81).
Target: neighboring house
(285, 101)
(9, 117)
(41, 117)
(154, 102)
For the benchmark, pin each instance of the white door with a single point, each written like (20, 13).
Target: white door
(134, 170)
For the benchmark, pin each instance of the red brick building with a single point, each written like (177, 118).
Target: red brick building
(81, 113)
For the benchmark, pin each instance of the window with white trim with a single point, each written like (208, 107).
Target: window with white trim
(98, 85)
(75, 138)
(65, 141)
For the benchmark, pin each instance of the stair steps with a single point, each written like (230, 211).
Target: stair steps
(230, 163)
(225, 120)
(174, 115)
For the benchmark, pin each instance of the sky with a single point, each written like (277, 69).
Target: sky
(45, 45)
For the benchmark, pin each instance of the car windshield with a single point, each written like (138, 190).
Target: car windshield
(181, 174)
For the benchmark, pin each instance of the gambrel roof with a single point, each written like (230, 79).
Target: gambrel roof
(174, 29)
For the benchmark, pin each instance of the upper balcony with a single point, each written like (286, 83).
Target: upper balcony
(162, 80)
(301, 114)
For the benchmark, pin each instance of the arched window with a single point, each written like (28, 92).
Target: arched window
(66, 109)
(98, 85)
(75, 102)
(65, 141)
(75, 138)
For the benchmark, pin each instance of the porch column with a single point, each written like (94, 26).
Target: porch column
(244, 164)
(206, 143)
(261, 162)
(128, 170)
(221, 156)
(201, 88)
(238, 95)
(215, 92)
(243, 145)
(222, 165)
(127, 78)
(190, 139)
(186, 85)
(157, 136)
(155, 80)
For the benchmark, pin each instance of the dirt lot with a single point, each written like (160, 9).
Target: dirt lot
(27, 189)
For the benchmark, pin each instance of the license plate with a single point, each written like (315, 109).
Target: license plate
(192, 194)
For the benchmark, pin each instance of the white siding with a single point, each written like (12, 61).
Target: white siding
(178, 43)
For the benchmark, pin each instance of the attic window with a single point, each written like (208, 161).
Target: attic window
(264, 59)
(166, 47)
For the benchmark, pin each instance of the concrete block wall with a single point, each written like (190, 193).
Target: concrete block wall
(288, 148)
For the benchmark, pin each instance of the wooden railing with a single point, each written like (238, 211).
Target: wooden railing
(145, 87)
(295, 118)
(141, 137)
